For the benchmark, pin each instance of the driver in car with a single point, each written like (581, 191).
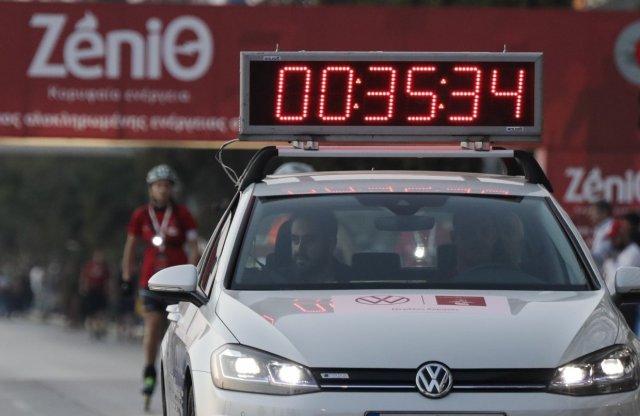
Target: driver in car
(313, 243)
(512, 238)
(476, 238)
(491, 250)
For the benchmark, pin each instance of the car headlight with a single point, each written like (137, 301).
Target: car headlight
(235, 367)
(610, 370)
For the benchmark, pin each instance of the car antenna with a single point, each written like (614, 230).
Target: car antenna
(231, 174)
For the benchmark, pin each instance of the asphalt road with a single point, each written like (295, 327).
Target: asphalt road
(51, 370)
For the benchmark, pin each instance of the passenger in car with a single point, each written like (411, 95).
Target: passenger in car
(475, 237)
(313, 243)
(512, 241)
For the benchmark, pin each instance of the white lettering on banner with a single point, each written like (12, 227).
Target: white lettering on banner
(10, 120)
(40, 66)
(88, 95)
(626, 53)
(114, 95)
(82, 122)
(182, 124)
(234, 124)
(88, 54)
(591, 186)
(150, 96)
(116, 121)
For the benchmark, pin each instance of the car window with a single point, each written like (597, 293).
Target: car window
(407, 240)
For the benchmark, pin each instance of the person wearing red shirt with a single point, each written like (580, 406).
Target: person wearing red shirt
(93, 286)
(166, 229)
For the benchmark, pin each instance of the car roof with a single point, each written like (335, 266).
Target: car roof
(332, 182)
(521, 169)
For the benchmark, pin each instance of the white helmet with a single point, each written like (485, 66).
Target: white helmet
(161, 172)
(293, 167)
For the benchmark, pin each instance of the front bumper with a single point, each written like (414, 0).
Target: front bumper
(211, 401)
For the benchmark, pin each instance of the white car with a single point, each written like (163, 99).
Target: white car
(446, 293)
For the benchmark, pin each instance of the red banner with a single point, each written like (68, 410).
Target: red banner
(166, 72)
(116, 72)
(582, 177)
(169, 73)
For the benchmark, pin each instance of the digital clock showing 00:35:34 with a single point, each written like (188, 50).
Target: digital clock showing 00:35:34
(422, 93)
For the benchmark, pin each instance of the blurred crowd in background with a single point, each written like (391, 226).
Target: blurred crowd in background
(92, 301)
(615, 243)
(66, 205)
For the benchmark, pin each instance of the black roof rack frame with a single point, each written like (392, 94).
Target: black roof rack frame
(517, 162)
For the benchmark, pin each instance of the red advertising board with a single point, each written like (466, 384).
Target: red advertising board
(170, 73)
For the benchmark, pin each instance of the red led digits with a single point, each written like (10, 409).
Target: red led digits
(427, 94)
(324, 92)
(310, 307)
(389, 93)
(473, 94)
(338, 96)
(281, 89)
(517, 93)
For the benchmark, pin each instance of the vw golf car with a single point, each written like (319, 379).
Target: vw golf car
(402, 291)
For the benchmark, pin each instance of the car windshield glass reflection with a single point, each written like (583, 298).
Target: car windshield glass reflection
(406, 241)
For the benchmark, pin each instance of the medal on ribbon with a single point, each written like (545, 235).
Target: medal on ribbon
(160, 229)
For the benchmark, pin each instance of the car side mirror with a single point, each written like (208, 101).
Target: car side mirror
(177, 283)
(627, 283)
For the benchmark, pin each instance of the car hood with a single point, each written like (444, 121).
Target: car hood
(468, 329)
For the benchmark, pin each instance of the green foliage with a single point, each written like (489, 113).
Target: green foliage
(62, 207)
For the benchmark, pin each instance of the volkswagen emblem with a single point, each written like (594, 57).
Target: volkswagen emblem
(434, 380)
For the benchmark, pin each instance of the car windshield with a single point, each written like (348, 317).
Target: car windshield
(350, 241)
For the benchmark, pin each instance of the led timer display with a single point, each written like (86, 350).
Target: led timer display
(450, 95)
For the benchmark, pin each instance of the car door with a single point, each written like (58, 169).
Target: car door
(181, 318)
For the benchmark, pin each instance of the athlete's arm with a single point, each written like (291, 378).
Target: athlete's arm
(193, 252)
(128, 257)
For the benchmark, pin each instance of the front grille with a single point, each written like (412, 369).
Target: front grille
(464, 380)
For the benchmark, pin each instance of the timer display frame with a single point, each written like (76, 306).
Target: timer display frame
(390, 96)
